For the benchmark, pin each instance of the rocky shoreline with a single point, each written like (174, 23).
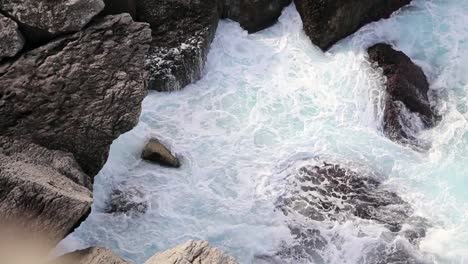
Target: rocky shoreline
(73, 75)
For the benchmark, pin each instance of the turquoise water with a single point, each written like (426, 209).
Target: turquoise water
(272, 97)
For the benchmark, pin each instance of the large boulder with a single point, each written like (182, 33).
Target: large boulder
(11, 40)
(156, 152)
(92, 255)
(44, 18)
(192, 252)
(80, 92)
(253, 15)
(182, 34)
(407, 89)
(328, 21)
(41, 190)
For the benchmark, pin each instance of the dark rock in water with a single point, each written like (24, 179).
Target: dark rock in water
(129, 201)
(45, 18)
(253, 15)
(115, 7)
(407, 88)
(93, 255)
(329, 193)
(156, 152)
(11, 40)
(328, 21)
(80, 92)
(182, 34)
(41, 190)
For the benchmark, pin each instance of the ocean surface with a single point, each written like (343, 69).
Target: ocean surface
(270, 98)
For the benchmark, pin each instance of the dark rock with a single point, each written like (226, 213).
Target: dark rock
(115, 7)
(182, 34)
(407, 89)
(329, 193)
(41, 190)
(129, 201)
(92, 255)
(328, 21)
(80, 92)
(45, 18)
(253, 15)
(11, 40)
(156, 152)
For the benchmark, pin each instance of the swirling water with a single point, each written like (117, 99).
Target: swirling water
(270, 98)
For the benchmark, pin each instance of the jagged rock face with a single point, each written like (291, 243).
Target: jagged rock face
(327, 193)
(45, 18)
(126, 201)
(80, 92)
(254, 15)
(93, 255)
(182, 34)
(156, 152)
(196, 252)
(328, 21)
(11, 40)
(41, 190)
(407, 89)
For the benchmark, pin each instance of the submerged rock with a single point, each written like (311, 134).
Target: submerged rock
(253, 15)
(407, 90)
(192, 252)
(182, 34)
(156, 152)
(328, 21)
(11, 40)
(92, 255)
(41, 190)
(80, 92)
(330, 194)
(44, 18)
(128, 201)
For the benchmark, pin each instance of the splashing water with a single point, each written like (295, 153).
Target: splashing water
(273, 97)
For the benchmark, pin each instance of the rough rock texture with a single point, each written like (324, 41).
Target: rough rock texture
(328, 21)
(156, 152)
(327, 193)
(114, 7)
(253, 15)
(196, 252)
(127, 201)
(45, 18)
(407, 89)
(93, 255)
(11, 40)
(40, 190)
(182, 34)
(80, 92)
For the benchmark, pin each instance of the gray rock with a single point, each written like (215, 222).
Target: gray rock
(192, 252)
(80, 92)
(328, 21)
(129, 201)
(182, 33)
(11, 40)
(45, 17)
(253, 15)
(39, 192)
(156, 152)
(92, 255)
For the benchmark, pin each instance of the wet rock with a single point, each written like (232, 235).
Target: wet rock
(328, 21)
(11, 40)
(407, 89)
(196, 252)
(156, 152)
(44, 18)
(80, 92)
(115, 7)
(254, 15)
(329, 194)
(41, 190)
(92, 255)
(182, 34)
(129, 201)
